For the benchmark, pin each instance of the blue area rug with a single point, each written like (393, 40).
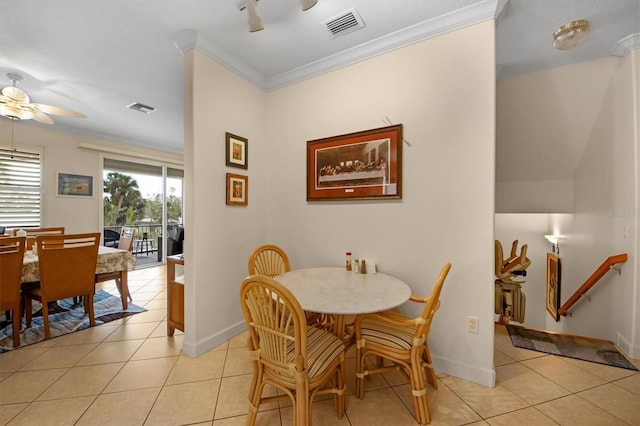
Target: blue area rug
(578, 347)
(66, 319)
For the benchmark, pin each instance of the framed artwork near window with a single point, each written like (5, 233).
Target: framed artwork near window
(237, 189)
(71, 185)
(237, 149)
(554, 274)
(360, 165)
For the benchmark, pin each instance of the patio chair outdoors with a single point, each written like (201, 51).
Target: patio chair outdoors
(110, 238)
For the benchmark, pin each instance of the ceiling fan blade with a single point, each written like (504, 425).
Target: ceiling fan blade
(50, 109)
(41, 117)
(16, 94)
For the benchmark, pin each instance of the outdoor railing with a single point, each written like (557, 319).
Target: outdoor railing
(153, 231)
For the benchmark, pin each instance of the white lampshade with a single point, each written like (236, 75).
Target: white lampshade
(307, 4)
(553, 239)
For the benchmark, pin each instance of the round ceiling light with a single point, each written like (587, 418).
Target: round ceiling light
(570, 35)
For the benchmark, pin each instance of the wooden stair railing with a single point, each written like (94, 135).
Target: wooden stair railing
(606, 266)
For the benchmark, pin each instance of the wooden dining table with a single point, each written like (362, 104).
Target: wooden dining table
(110, 260)
(341, 294)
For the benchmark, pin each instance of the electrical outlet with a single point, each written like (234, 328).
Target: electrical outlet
(472, 325)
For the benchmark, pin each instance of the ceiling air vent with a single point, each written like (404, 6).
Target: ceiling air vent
(137, 106)
(344, 23)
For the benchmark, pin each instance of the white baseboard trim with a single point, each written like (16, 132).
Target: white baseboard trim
(214, 340)
(625, 346)
(470, 373)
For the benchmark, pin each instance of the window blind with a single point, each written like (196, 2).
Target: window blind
(20, 188)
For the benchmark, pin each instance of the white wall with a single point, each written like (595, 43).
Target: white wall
(443, 91)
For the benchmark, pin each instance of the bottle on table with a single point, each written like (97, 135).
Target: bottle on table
(349, 261)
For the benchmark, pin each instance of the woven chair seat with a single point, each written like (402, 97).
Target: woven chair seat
(374, 330)
(322, 350)
(393, 337)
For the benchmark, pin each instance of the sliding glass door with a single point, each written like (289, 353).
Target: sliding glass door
(147, 198)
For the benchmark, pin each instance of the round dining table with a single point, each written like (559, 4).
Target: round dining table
(339, 293)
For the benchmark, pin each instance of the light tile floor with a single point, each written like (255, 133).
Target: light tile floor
(128, 372)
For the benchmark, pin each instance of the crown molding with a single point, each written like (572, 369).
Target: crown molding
(439, 25)
(626, 44)
(470, 15)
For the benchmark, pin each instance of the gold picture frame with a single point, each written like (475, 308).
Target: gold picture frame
(237, 189)
(554, 274)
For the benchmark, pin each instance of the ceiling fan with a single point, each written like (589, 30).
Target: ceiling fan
(16, 105)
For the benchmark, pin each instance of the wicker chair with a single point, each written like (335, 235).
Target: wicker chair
(403, 341)
(11, 257)
(268, 260)
(67, 265)
(296, 358)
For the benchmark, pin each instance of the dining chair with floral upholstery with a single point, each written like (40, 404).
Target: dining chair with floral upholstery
(125, 242)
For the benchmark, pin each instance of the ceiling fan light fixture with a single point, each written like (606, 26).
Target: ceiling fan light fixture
(254, 21)
(307, 4)
(14, 112)
(15, 104)
(571, 35)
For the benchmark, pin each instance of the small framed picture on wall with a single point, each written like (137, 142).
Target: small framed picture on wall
(72, 185)
(237, 189)
(237, 149)
(553, 285)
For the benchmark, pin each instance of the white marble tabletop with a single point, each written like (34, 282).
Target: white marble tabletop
(337, 291)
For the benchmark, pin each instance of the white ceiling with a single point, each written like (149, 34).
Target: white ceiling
(96, 57)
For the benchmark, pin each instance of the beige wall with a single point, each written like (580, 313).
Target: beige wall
(443, 91)
(606, 216)
(543, 122)
(603, 219)
(220, 237)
